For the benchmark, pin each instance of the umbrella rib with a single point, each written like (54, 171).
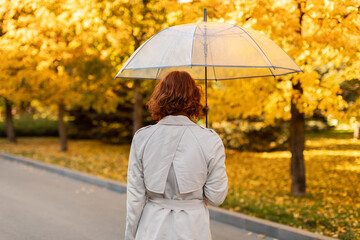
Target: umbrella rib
(256, 45)
(212, 60)
(270, 75)
(215, 34)
(192, 46)
(224, 79)
(272, 71)
(157, 73)
(212, 65)
(222, 30)
(141, 47)
(265, 54)
(214, 73)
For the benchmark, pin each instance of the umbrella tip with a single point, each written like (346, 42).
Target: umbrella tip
(205, 16)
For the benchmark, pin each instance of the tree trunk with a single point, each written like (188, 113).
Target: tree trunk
(61, 128)
(10, 131)
(297, 141)
(137, 114)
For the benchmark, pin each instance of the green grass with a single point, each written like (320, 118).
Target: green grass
(337, 134)
(259, 183)
(27, 125)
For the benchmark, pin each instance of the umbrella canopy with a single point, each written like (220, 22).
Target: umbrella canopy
(227, 51)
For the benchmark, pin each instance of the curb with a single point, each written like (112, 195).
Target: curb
(84, 177)
(239, 220)
(266, 227)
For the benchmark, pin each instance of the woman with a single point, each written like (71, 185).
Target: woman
(174, 167)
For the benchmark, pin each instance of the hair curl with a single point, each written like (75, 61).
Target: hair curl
(177, 93)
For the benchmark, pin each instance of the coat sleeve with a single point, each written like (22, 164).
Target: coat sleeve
(216, 185)
(136, 194)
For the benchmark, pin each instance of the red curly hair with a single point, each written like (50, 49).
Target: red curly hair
(177, 93)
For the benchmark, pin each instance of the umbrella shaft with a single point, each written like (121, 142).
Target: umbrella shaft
(206, 106)
(205, 51)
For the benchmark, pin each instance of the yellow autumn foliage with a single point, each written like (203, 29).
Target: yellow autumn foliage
(321, 36)
(68, 51)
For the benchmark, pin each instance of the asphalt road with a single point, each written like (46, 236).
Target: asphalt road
(40, 205)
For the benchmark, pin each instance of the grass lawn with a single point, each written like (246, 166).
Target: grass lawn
(259, 183)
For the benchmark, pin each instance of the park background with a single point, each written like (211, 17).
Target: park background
(60, 103)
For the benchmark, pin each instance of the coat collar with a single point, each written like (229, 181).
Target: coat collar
(176, 120)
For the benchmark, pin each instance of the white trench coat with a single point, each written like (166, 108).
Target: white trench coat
(174, 166)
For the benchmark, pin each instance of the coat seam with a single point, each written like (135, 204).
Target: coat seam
(148, 139)
(172, 160)
(201, 147)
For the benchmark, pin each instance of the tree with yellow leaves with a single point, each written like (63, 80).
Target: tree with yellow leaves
(18, 76)
(323, 39)
(72, 65)
(136, 21)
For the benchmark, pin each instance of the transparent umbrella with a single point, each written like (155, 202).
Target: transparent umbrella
(208, 51)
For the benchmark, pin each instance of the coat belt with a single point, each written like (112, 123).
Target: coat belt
(177, 204)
